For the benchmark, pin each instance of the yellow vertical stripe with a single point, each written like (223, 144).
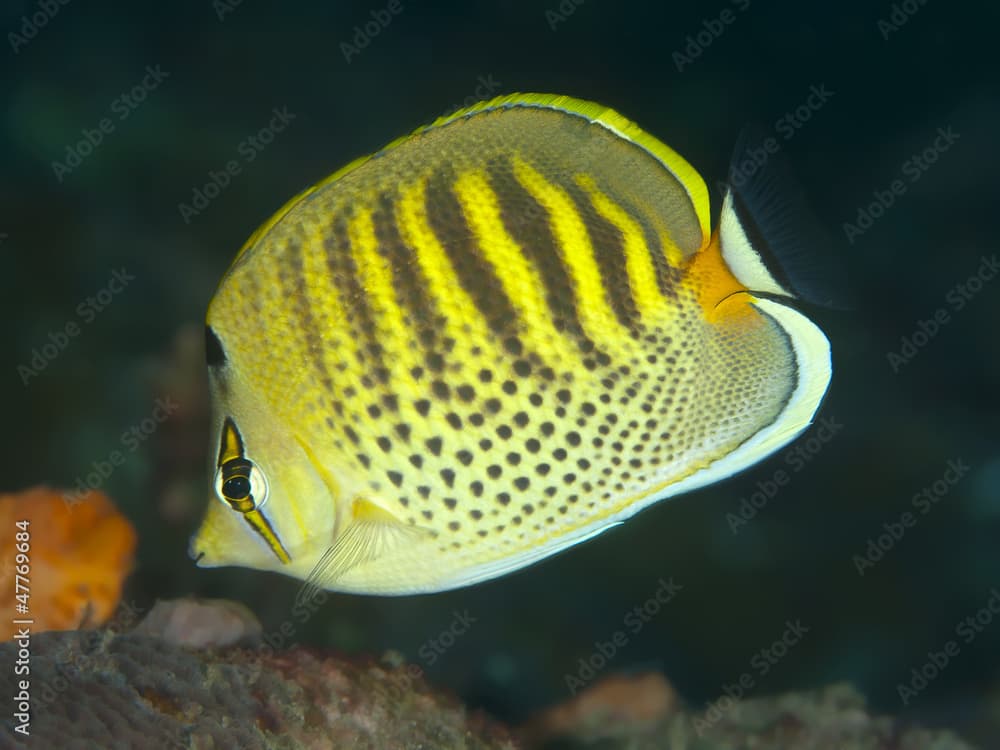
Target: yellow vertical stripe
(463, 321)
(596, 316)
(676, 257)
(395, 337)
(638, 261)
(521, 282)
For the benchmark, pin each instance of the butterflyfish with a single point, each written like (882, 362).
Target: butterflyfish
(489, 341)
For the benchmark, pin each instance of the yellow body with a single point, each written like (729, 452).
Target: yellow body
(491, 340)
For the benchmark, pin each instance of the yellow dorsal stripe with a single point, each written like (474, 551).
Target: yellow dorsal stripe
(375, 276)
(521, 281)
(638, 261)
(463, 321)
(596, 316)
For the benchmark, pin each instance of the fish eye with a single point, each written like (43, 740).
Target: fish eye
(236, 488)
(241, 485)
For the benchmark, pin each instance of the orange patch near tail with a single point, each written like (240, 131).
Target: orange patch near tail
(80, 552)
(711, 280)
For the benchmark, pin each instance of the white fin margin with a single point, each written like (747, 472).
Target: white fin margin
(741, 257)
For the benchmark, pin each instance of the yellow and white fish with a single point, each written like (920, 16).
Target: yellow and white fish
(491, 340)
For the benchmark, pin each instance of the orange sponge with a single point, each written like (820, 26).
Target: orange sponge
(81, 551)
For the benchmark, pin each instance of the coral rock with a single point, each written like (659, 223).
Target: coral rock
(142, 689)
(833, 718)
(100, 690)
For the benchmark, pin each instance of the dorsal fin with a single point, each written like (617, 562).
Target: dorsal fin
(770, 238)
(371, 532)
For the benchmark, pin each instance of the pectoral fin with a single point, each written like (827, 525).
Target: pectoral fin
(371, 533)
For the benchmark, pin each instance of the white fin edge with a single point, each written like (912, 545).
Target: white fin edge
(741, 257)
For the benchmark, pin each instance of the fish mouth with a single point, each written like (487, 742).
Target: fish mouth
(201, 559)
(197, 553)
(194, 554)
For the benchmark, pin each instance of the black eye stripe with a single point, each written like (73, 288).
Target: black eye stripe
(236, 479)
(237, 467)
(229, 432)
(235, 470)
